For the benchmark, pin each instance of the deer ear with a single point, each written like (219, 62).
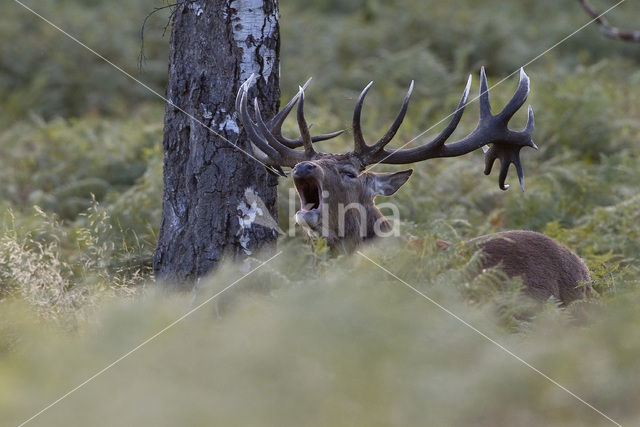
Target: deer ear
(386, 184)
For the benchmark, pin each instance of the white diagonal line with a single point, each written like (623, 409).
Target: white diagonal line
(488, 338)
(155, 92)
(151, 338)
(502, 81)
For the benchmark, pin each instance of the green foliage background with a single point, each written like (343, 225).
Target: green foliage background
(307, 339)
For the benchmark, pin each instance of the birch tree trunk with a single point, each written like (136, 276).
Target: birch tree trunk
(215, 46)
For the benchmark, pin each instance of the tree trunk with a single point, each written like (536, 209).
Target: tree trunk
(215, 46)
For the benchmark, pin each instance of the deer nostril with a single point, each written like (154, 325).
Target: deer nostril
(303, 169)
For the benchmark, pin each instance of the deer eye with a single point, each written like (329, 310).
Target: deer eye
(348, 174)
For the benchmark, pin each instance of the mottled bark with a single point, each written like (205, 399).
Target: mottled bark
(215, 46)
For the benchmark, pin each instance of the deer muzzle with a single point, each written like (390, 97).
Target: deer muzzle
(306, 178)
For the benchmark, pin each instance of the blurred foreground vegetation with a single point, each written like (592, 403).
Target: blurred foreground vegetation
(306, 339)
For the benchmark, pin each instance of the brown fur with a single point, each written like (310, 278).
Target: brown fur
(547, 268)
(346, 191)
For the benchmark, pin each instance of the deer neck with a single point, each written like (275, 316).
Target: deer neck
(356, 232)
(376, 223)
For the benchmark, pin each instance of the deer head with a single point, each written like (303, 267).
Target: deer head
(337, 194)
(337, 200)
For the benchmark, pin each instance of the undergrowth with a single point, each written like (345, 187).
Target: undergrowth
(309, 339)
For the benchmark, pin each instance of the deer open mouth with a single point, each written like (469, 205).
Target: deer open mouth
(309, 191)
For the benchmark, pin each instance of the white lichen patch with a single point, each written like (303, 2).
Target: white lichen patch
(173, 218)
(205, 112)
(247, 214)
(265, 219)
(197, 9)
(250, 26)
(268, 59)
(244, 242)
(226, 123)
(229, 124)
(252, 210)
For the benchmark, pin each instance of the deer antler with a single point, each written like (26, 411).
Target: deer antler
(275, 149)
(491, 129)
(361, 147)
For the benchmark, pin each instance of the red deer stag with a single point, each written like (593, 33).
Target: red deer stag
(330, 185)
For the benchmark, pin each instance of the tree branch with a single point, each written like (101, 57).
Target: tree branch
(607, 29)
(141, 57)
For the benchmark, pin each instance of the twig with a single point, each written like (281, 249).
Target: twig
(142, 58)
(607, 29)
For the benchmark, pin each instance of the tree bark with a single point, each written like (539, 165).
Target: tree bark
(215, 46)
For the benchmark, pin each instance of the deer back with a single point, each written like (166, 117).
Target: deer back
(547, 267)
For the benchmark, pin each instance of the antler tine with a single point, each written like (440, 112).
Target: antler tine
(262, 134)
(275, 124)
(241, 90)
(485, 104)
(493, 130)
(252, 133)
(508, 156)
(396, 123)
(518, 99)
(279, 118)
(530, 124)
(271, 157)
(304, 128)
(295, 143)
(360, 146)
(511, 154)
(455, 120)
(260, 155)
(432, 148)
(290, 156)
